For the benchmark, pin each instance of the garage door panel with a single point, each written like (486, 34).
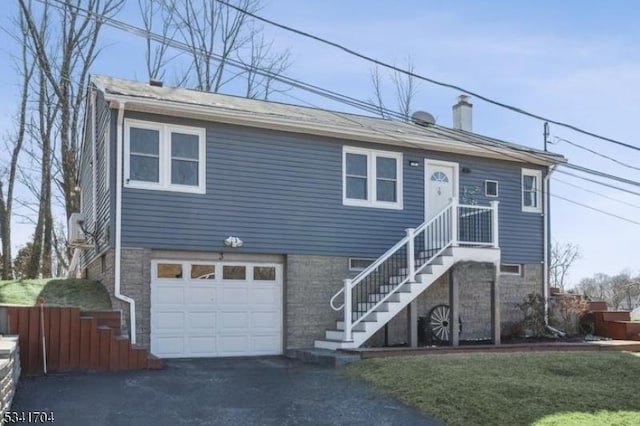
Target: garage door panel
(265, 320)
(266, 344)
(260, 295)
(230, 345)
(193, 317)
(201, 295)
(231, 320)
(230, 296)
(168, 294)
(201, 322)
(168, 346)
(169, 322)
(201, 345)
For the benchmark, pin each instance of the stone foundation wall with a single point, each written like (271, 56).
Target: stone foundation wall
(135, 283)
(474, 284)
(513, 290)
(311, 281)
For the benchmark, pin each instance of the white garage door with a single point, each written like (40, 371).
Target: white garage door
(201, 309)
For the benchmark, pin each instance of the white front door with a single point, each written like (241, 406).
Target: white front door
(441, 185)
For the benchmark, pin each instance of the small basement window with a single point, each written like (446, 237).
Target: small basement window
(511, 269)
(359, 263)
(491, 188)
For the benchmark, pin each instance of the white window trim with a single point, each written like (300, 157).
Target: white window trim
(164, 167)
(356, 268)
(538, 175)
(371, 201)
(486, 193)
(519, 273)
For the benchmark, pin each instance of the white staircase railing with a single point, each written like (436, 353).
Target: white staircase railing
(455, 225)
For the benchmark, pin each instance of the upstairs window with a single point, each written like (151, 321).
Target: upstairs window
(164, 157)
(531, 191)
(372, 178)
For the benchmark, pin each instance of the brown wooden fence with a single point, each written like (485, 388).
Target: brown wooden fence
(74, 340)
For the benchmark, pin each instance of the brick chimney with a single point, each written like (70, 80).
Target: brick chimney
(462, 114)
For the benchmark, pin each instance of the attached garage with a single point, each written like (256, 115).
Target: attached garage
(202, 309)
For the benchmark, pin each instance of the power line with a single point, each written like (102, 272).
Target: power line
(427, 79)
(601, 174)
(597, 182)
(558, 139)
(597, 210)
(314, 89)
(123, 26)
(596, 193)
(367, 106)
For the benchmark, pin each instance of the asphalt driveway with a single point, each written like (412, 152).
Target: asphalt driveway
(247, 391)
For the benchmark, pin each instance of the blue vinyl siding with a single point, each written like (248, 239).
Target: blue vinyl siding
(282, 193)
(100, 223)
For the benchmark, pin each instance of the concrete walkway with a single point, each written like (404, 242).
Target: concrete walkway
(248, 391)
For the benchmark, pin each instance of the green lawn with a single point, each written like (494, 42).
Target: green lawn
(543, 388)
(85, 294)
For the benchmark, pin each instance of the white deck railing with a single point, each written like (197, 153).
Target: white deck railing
(456, 225)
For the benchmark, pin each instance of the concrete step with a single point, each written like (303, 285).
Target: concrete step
(323, 357)
(376, 297)
(358, 327)
(338, 334)
(366, 306)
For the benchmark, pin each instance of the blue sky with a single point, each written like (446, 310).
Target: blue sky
(573, 61)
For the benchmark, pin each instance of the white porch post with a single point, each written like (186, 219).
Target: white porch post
(411, 258)
(495, 224)
(454, 221)
(348, 317)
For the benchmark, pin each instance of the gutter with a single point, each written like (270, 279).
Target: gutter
(118, 249)
(547, 226)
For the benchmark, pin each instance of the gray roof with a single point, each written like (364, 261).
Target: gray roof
(274, 115)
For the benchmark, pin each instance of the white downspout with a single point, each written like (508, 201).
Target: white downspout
(118, 254)
(546, 218)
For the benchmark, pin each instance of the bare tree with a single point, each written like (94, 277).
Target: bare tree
(14, 145)
(405, 90)
(61, 38)
(262, 65)
(563, 256)
(66, 69)
(224, 45)
(156, 13)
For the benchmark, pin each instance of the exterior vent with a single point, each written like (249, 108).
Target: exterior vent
(423, 118)
(156, 83)
(75, 233)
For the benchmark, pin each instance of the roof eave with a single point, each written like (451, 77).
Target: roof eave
(243, 118)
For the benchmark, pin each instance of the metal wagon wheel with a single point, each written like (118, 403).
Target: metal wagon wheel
(439, 322)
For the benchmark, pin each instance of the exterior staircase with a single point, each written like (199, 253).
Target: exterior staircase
(384, 312)
(399, 276)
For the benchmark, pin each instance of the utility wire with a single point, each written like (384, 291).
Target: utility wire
(564, 182)
(596, 209)
(558, 139)
(427, 79)
(597, 182)
(601, 174)
(123, 26)
(296, 83)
